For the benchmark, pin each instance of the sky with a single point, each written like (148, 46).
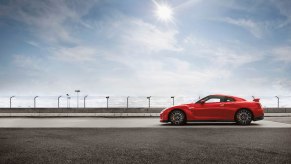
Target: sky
(120, 48)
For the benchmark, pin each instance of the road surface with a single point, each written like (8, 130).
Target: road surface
(97, 122)
(142, 140)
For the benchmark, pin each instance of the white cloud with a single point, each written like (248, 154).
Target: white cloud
(33, 43)
(141, 58)
(283, 53)
(32, 64)
(221, 54)
(284, 8)
(136, 34)
(48, 19)
(78, 53)
(186, 4)
(253, 27)
(149, 37)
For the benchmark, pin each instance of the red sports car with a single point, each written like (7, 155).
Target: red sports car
(215, 108)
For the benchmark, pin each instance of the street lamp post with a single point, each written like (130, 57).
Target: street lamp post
(34, 100)
(11, 100)
(77, 91)
(107, 98)
(59, 101)
(85, 101)
(149, 98)
(67, 100)
(127, 101)
(173, 97)
(278, 101)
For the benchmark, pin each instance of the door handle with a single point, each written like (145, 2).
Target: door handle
(221, 104)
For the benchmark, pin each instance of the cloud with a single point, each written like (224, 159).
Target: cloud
(186, 5)
(248, 24)
(284, 9)
(126, 53)
(221, 54)
(33, 43)
(283, 53)
(136, 34)
(78, 53)
(49, 20)
(148, 37)
(29, 63)
(284, 83)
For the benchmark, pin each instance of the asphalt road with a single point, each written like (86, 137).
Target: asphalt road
(201, 143)
(286, 120)
(147, 145)
(113, 122)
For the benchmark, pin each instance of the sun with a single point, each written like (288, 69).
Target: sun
(164, 12)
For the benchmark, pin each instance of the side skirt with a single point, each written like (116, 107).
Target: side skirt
(210, 121)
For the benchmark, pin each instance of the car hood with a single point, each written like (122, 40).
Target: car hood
(177, 106)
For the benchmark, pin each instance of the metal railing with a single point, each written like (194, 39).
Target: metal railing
(87, 101)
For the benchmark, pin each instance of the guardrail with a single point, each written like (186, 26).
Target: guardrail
(91, 101)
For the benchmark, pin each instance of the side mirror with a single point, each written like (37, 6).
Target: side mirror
(202, 101)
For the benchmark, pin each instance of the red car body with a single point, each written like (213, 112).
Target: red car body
(225, 109)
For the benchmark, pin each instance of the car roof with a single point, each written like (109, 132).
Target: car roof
(236, 98)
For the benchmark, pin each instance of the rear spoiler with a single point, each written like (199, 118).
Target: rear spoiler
(256, 100)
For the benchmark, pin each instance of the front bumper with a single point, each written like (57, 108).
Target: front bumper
(163, 117)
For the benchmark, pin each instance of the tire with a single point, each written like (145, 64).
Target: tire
(243, 117)
(177, 117)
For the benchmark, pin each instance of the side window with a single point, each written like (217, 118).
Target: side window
(213, 99)
(229, 99)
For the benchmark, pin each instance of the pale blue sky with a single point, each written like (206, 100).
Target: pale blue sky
(115, 47)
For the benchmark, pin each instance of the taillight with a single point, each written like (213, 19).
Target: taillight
(259, 105)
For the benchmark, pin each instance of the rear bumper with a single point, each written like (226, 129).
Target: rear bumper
(259, 118)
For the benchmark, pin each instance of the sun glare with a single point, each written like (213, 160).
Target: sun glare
(164, 13)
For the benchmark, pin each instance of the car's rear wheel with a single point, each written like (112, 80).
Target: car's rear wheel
(177, 117)
(243, 117)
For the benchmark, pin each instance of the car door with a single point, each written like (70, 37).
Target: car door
(228, 109)
(210, 108)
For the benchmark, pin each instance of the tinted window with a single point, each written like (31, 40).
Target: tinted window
(229, 99)
(213, 99)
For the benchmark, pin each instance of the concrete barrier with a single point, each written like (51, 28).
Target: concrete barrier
(79, 114)
(81, 110)
(104, 112)
(277, 110)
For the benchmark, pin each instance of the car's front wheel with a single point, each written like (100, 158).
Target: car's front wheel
(177, 117)
(243, 117)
